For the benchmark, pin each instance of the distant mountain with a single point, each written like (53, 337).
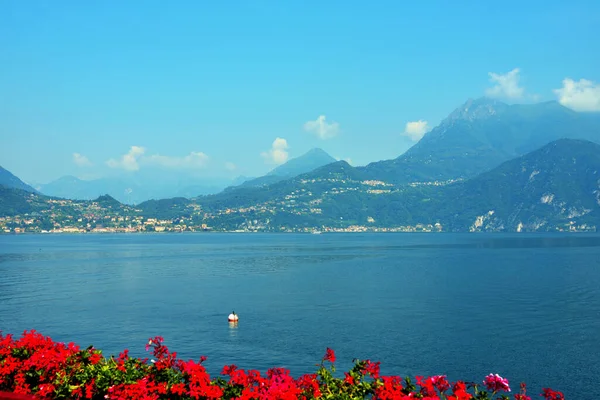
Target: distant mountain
(481, 134)
(130, 189)
(70, 187)
(554, 187)
(476, 137)
(8, 180)
(307, 162)
(241, 179)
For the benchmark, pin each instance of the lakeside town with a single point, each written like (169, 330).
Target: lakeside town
(125, 224)
(107, 215)
(305, 208)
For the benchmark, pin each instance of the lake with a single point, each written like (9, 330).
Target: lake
(524, 306)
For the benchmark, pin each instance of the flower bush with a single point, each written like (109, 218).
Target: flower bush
(35, 366)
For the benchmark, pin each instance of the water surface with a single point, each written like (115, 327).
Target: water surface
(525, 306)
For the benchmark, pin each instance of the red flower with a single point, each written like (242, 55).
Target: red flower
(77, 392)
(329, 355)
(178, 389)
(427, 388)
(372, 368)
(349, 379)
(45, 390)
(95, 358)
(228, 369)
(89, 389)
(440, 382)
(495, 382)
(550, 394)
(36, 366)
(459, 392)
(391, 389)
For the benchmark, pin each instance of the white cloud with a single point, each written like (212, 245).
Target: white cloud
(196, 159)
(129, 161)
(415, 130)
(135, 157)
(277, 154)
(321, 128)
(229, 166)
(506, 86)
(81, 160)
(579, 96)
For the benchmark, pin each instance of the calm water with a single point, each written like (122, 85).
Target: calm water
(527, 307)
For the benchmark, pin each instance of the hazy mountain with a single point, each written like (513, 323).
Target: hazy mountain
(132, 189)
(7, 179)
(70, 187)
(307, 162)
(547, 189)
(241, 179)
(556, 187)
(476, 137)
(480, 135)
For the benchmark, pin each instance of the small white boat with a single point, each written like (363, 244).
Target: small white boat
(316, 232)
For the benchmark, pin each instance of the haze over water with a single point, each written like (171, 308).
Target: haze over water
(524, 306)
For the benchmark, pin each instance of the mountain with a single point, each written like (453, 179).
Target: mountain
(107, 201)
(241, 179)
(70, 187)
(481, 134)
(8, 180)
(552, 188)
(476, 137)
(307, 162)
(557, 184)
(131, 189)
(176, 207)
(14, 201)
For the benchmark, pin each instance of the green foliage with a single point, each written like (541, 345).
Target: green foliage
(166, 208)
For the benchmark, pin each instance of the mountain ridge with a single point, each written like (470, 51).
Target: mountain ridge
(8, 179)
(553, 188)
(458, 206)
(309, 161)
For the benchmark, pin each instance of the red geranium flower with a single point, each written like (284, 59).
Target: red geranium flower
(329, 355)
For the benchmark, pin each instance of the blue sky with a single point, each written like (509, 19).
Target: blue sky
(221, 89)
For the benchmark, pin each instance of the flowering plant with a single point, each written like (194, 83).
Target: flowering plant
(35, 366)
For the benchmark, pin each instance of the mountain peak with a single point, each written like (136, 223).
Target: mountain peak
(107, 201)
(315, 151)
(476, 109)
(312, 159)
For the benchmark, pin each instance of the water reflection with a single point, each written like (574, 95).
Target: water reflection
(233, 326)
